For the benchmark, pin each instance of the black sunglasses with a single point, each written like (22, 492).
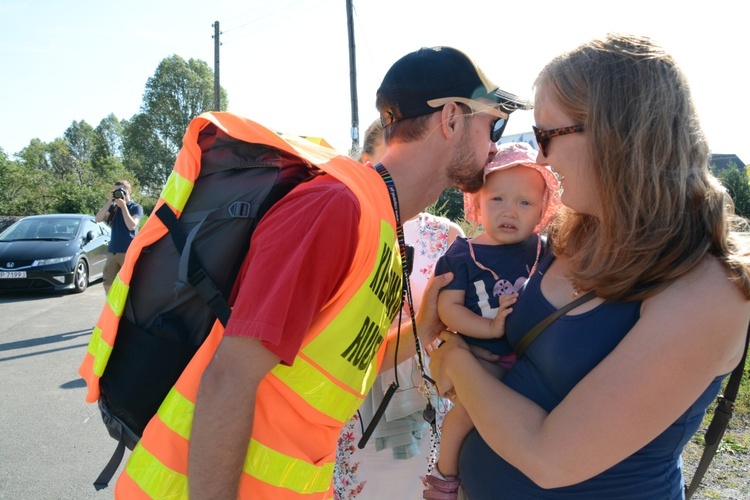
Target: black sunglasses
(497, 127)
(544, 136)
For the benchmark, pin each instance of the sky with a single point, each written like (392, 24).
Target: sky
(285, 63)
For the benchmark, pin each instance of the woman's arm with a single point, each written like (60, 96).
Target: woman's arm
(687, 335)
(428, 325)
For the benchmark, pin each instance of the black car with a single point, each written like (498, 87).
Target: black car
(52, 252)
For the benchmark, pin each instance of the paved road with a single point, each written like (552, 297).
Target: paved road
(52, 443)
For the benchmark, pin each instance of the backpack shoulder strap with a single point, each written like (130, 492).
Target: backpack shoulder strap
(196, 275)
(719, 422)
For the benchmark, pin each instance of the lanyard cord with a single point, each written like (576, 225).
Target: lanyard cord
(405, 294)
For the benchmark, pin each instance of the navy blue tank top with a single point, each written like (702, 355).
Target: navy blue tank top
(559, 358)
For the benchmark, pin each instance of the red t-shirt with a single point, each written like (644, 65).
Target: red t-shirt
(299, 255)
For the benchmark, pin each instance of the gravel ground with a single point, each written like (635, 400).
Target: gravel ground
(728, 476)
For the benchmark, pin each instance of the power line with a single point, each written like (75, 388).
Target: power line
(276, 13)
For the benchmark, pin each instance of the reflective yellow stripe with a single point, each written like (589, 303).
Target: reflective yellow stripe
(263, 463)
(176, 411)
(276, 469)
(100, 350)
(357, 332)
(318, 390)
(117, 296)
(153, 477)
(177, 191)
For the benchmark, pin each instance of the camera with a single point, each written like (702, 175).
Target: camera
(118, 193)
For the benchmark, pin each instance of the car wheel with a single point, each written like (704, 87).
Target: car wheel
(80, 277)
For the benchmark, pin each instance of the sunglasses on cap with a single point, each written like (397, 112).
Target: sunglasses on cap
(544, 136)
(497, 127)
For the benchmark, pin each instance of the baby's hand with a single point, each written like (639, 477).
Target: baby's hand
(497, 326)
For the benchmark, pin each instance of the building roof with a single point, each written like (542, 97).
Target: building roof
(721, 162)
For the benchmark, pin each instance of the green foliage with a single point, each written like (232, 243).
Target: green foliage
(145, 154)
(80, 140)
(107, 145)
(75, 172)
(737, 185)
(450, 204)
(35, 155)
(16, 185)
(72, 174)
(178, 91)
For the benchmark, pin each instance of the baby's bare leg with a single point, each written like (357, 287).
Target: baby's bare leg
(456, 426)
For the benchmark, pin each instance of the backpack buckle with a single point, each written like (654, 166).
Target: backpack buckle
(241, 209)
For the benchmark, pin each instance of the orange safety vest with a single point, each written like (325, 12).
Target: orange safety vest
(300, 409)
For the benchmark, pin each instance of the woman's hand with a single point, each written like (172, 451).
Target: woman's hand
(428, 321)
(452, 348)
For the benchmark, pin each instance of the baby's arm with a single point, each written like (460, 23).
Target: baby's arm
(459, 318)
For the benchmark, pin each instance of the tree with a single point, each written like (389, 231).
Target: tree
(35, 155)
(60, 176)
(107, 145)
(75, 172)
(736, 182)
(145, 154)
(20, 182)
(450, 204)
(178, 92)
(80, 140)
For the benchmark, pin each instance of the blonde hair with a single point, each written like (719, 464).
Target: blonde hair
(373, 137)
(661, 210)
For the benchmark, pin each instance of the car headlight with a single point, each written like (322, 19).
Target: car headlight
(56, 260)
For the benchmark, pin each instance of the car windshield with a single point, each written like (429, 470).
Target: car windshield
(62, 228)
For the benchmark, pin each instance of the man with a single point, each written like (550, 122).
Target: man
(316, 295)
(122, 214)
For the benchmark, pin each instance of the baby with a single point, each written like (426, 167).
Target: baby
(514, 206)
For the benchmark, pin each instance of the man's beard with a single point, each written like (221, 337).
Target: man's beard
(466, 170)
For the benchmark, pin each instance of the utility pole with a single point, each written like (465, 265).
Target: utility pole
(217, 87)
(353, 80)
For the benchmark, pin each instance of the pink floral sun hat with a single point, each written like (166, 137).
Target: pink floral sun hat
(520, 154)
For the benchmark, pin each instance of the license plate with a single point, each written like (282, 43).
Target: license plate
(9, 275)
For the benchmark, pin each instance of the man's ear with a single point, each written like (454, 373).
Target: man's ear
(450, 116)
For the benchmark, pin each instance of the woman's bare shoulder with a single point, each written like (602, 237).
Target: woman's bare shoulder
(708, 309)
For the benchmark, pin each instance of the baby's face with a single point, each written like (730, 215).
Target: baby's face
(510, 204)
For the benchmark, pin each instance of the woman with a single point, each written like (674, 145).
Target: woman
(603, 402)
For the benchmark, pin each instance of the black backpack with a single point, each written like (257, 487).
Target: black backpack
(180, 283)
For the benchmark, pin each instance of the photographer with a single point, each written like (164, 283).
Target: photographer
(122, 214)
